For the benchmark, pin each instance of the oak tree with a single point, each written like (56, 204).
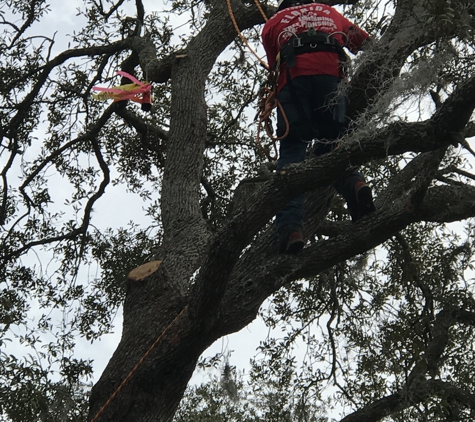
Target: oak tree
(398, 325)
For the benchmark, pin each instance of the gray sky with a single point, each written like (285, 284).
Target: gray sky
(60, 22)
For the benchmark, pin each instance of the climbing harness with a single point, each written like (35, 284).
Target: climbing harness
(309, 42)
(139, 92)
(306, 42)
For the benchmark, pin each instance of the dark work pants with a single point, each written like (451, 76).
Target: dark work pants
(315, 111)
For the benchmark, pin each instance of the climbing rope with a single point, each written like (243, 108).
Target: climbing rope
(267, 94)
(258, 4)
(243, 38)
(136, 367)
(267, 102)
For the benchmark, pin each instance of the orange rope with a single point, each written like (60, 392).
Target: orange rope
(243, 38)
(267, 102)
(267, 95)
(132, 372)
(258, 4)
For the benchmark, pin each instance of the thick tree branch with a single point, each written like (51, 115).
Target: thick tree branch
(418, 388)
(409, 30)
(470, 130)
(397, 138)
(445, 204)
(451, 392)
(184, 226)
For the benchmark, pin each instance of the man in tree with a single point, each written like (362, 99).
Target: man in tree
(310, 38)
(397, 326)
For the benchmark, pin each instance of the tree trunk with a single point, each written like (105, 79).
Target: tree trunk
(238, 266)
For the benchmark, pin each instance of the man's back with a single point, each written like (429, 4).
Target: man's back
(291, 21)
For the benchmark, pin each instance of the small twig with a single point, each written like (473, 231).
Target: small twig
(102, 188)
(453, 169)
(410, 270)
(88, 135)
(18, 252)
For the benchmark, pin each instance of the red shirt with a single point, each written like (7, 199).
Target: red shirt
(294, 20)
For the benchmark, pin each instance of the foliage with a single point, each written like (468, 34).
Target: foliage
(228, 398)
(370, 325)
(364, 326)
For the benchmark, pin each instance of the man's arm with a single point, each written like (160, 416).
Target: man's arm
(357, 37)
(268, 42)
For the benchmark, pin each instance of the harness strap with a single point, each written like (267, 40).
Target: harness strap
(309, 42)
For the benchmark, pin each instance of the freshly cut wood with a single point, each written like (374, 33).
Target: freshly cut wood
(143, 271)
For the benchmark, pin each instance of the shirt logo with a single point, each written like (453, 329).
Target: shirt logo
(300, 19)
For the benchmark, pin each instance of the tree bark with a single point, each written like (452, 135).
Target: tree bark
(232, 282)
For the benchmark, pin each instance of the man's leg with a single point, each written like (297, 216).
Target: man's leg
(329, 112)
(289, 220)
(357, 195)
(291, 151)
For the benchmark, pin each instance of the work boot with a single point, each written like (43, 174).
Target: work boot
(291, 240)
(363, 202)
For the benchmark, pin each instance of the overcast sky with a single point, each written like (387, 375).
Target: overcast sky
(61, 22)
